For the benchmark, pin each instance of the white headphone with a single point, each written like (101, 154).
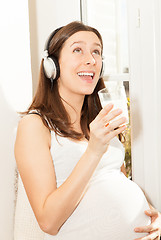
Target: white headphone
(50, 63)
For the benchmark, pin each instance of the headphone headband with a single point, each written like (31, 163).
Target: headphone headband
(46, 47)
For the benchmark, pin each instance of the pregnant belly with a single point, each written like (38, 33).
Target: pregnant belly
(110, 210)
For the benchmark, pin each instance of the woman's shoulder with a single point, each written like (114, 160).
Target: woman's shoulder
(31, 121)
(31, 125)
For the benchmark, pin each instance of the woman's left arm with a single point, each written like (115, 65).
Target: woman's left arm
(154, 229)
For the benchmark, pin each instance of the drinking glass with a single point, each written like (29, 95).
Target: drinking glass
(114, 92)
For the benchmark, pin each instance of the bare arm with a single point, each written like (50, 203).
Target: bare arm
(51, 205)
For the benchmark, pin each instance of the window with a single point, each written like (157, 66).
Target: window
(110, 18)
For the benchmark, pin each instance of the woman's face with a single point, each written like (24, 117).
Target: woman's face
(80, 64)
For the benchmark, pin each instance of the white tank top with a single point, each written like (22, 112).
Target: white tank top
(111, 208)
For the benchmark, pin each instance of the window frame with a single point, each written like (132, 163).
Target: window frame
(145, 95)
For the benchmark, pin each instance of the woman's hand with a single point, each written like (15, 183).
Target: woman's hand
(154, 229)
(102, 131)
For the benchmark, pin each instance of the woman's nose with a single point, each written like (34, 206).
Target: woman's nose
(89, 59)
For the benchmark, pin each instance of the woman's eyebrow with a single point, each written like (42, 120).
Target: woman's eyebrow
(97, 44)
(76, 42)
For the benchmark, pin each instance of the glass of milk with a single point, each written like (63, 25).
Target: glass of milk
(114, 92)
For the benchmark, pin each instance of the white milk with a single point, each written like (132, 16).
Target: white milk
(114, 92)
(118, 103)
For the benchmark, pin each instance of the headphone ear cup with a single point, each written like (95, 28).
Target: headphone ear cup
(51, 68)
(102, 70)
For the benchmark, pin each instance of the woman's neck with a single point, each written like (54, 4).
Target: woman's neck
(73, 105)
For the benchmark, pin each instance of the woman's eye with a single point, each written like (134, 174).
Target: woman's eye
(78, 50)
(97, 52)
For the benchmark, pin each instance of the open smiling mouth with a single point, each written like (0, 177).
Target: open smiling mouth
(87, 76)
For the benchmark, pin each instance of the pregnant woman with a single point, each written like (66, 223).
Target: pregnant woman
(70, 158)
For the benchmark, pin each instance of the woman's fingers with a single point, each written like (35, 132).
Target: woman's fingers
(104, 111)
(101, 132)
(153, 235)
(152, 213)
(115, 124)
(111, 115)
(147, 229)
(154, 228)
(106, 115)
(111, 134)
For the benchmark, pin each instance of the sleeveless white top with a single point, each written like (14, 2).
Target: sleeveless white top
(111, 208)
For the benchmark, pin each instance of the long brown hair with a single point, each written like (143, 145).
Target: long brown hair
(49, 103)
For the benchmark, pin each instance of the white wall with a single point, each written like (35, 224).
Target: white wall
(16, 78)
(45, 17)
(15, 94)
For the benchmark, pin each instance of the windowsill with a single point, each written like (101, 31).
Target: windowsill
(117, 77)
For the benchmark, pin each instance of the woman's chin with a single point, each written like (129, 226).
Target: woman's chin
(88, 91)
